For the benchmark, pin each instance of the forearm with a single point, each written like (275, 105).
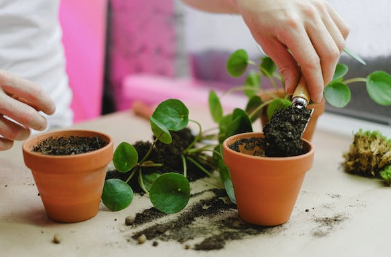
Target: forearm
(213, 6)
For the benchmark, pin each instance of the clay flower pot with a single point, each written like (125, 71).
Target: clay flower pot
(318, 110)
(266, 188)
(70, 186)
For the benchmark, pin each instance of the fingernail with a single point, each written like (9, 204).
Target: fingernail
(319, 98)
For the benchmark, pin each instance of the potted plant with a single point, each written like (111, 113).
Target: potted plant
(69, 168)
(263, 102)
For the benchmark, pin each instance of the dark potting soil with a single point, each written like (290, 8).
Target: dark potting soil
(283, 132)
(206, 225)
(69, 145)
(169, 155)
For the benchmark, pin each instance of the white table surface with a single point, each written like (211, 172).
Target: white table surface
(327, 192)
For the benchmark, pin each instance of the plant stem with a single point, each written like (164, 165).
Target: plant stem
(201, 168)
(348, 81)
(260, 107)
(141, 182)
(184, 165)
(132, 174)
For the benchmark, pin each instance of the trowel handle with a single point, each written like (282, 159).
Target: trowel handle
(301, 91)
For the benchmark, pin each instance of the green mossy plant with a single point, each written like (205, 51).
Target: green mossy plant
(369, 155)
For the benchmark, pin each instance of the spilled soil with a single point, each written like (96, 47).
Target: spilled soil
(69, 145)
(209, 224)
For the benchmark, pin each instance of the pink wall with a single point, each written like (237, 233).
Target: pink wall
(84, 28)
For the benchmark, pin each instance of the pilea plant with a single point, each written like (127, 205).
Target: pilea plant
(337, 93)
(168, 192)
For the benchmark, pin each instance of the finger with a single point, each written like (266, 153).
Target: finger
(21, 113)
(325, 47)
(12, 131)
(285, 62)
(338, 21)
(28, 90)
(305, 54)
(5, 144)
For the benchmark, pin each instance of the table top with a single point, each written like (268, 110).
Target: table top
(336, 214)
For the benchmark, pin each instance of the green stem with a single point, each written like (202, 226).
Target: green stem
(132, 174)
(184, 165)
(353, 80)
(197, 137)
(260, 107)
(141, 182)
(200, 167)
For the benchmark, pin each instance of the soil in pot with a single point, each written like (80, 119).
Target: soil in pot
(282, 135)
(69, 145)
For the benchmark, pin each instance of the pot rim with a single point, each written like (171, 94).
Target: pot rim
(272, 159)
(26, 147)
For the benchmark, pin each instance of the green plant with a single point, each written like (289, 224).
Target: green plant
(168, 192)
(337, 93)
(369, 155)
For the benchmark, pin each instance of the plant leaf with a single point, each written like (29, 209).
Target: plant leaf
(173, 114)
(268, 65)
(125, 157)
(148, 179)
(237, 63)
(277, 104)
(223, 126)
(117, 194)
(226, 179)
(170, 193)
(354, 56)
(241, 123)
(337, 94)
(379, 87)
(160, 131)
(340, 71)
(252, 84)
(216, 110)
(252, 104)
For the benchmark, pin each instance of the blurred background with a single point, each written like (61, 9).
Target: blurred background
(152, 50)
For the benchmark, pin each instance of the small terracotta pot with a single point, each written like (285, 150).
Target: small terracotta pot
(309, 131)
(70, 186)
(266, 188)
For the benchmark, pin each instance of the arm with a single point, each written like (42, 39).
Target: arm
(301, 36)
(20, 103)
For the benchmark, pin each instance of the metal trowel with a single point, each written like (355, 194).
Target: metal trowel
(301, 98)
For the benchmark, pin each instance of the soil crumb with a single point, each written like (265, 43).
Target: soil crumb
(327, 224)
(283, 132)
(206, 225)
(69, 145)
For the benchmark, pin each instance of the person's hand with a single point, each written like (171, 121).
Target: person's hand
(304, 36)
(20, 103)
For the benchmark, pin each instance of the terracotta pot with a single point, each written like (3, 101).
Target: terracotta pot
(266, 188)
(318, 110)
(70, 186)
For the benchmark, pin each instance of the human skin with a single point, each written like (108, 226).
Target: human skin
(303, 37)
(20, 103)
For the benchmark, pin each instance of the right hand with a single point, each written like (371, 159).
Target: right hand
(20, 103)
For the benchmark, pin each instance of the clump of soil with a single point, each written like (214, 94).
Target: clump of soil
(69, 145)
(206, 225)
(283, 132)
(170, 156)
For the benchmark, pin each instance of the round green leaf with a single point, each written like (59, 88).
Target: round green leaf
(215, 107)
(379, 87)
(340, 71)
(117, 194)
(252, 84)
(252, 104)
(267, 65)
(160, 131)
(173, 114)
(237, 63)
(337, 94)
(148, 179)
(170, 193)
(223, 126)
(277, 104)
(125, 157)
(241, 123)
(226, 179)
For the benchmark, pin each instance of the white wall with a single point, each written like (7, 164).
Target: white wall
(369, 21)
